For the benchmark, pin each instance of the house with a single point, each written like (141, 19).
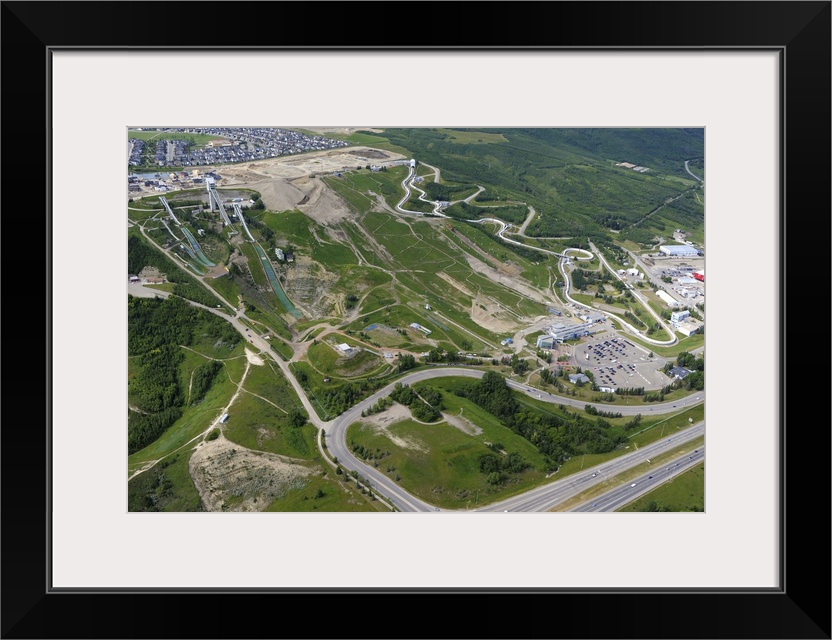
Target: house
(290, 257)
(575, 378)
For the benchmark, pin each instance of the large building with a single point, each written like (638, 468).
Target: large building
(677, 316)
(664, 295)
(560, 332)
(545, 342)
(678, 250)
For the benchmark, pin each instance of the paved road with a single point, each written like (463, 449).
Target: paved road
(547, 497)
(687, 168)
(387, 487)
(630, 328)
(620, 496)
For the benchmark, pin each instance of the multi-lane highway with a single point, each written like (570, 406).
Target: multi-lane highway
(547, 497)
(541, 499)
(627, 492)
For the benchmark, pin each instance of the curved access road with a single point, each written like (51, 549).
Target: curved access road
(687, 168)
(407, 185)
(336, 442)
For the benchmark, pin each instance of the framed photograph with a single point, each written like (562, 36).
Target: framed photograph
(752, 77)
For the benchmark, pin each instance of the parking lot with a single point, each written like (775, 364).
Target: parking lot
(618, 363)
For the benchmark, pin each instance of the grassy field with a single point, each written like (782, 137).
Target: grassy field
(441, 465)
(256, 424)
(376, 141)
(686, 492)
(685, 344)
(269, 382)
(326, 492)
(195, 419)
(192, 138)
(327, 360)
(254, 264)
(472, 137)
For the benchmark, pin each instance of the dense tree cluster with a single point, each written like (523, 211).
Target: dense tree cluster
(441, 355)
(498, 468)
(565, 174)
(338, 399)
(155, 330)
(202, 379)
(154, 490)
(448, 192)
(591, 410)
(406, 363)
(557, 437)
(421, 410)
(515, 213)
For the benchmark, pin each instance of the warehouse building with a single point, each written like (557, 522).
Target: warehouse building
(678, 250)
(664, 295)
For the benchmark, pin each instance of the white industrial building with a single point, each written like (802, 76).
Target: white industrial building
(677, 316)
(670, 300)
(678, 250)
(686, 328)
(560, 332)
(591, 317)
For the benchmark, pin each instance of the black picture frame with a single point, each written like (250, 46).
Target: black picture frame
(800, 608)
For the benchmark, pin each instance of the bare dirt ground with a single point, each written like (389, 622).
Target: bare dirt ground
(492, 317)
(382, 422)
(253, 358)
(512, 283)
(286, 182)
(462, 423)
(232, 478)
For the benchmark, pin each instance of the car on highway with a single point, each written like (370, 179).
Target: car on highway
(632, 485)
